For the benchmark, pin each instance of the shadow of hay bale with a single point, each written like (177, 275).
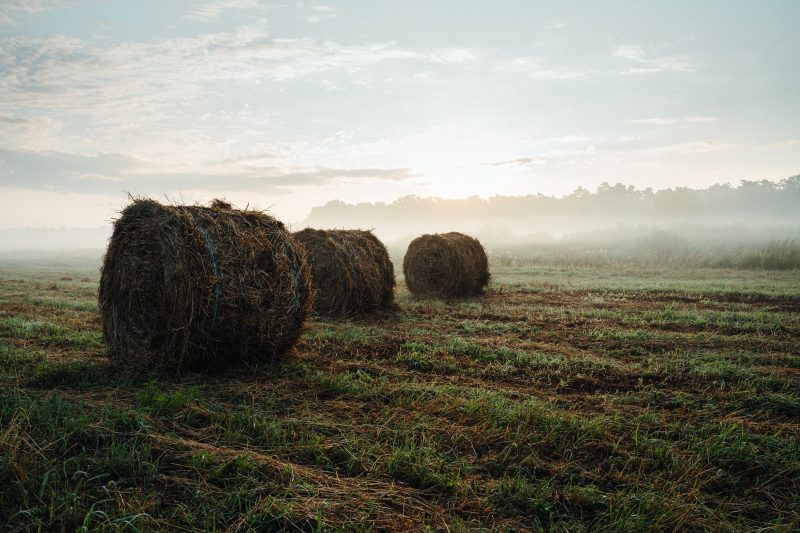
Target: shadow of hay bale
(447, 265)
(201, 287)
(351, 271)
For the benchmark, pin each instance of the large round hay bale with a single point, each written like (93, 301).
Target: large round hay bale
(200, 287)
(446, 265)
(351, 272)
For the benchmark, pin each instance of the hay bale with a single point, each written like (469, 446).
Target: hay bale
(351, 272)
(446, 265)
(193, 286)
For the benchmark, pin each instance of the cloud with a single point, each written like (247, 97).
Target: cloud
(572, 138)
(659, 121)
(694, 147)
(519, 162)
(317, 12)
(115, 173)
(388, 174)
(29, 8)
(176, 97)
(700, 119)
(165, 112)
(536, 68)
(634, 53)
(645, 63)
(64, 73)
(555, 74)
(649, 64)
(454, 56)
(99, 177)
(7, 119)
(248, 158)
(35, 7)
(655, 121)
(788, 143)
(618, 152)
(573, 155)
(210, 11)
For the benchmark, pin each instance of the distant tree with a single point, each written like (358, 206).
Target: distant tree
(758, 200)
(791, 185)
(581, 192)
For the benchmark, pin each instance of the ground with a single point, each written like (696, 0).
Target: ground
(567, 398)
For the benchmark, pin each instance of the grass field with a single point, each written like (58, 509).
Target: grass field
(566, 399)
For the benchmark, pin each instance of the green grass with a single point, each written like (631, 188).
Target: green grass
(567, 399)
(48, 333)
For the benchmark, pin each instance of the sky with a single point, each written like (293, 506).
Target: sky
(287, 105)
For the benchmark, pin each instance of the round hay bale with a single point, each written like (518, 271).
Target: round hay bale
(447, 265)
(351, 272)
(200, 287)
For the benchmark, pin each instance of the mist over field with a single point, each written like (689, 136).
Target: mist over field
(749, 214)
(722, 225)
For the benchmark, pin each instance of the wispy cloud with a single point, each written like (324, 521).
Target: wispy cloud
(9, 8)
(317, 12)
(519, 162)
(648, 62)
(622, 151)
(645, 63)
(537, 68)
(130, 84)
(35, 6)
(573, 155)
(12, 120)
(661, 121)
(556, 74)
(454, 56)
(210, 11)
(35, 67)
(694, 147)
(787, 143)
(115, 173)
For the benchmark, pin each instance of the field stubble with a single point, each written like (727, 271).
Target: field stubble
(567, 398)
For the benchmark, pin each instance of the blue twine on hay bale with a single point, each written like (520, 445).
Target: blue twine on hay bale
(215, 269)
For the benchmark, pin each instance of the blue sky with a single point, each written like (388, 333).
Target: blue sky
(288, 105)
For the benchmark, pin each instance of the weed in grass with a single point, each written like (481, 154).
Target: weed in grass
(234, 469)
(156, 401)
(253, 429)
(535, 501)
(55, 303)
(48, 333)
(73, 375)
(17, 364)
(355, 383)
(421, 466)
(352, 335)
(423, 357)
(782, 404)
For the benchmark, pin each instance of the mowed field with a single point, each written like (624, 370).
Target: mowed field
(565, 399)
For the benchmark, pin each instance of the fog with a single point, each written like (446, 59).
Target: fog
(615, 221)
(26, 240)
(718, 225)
